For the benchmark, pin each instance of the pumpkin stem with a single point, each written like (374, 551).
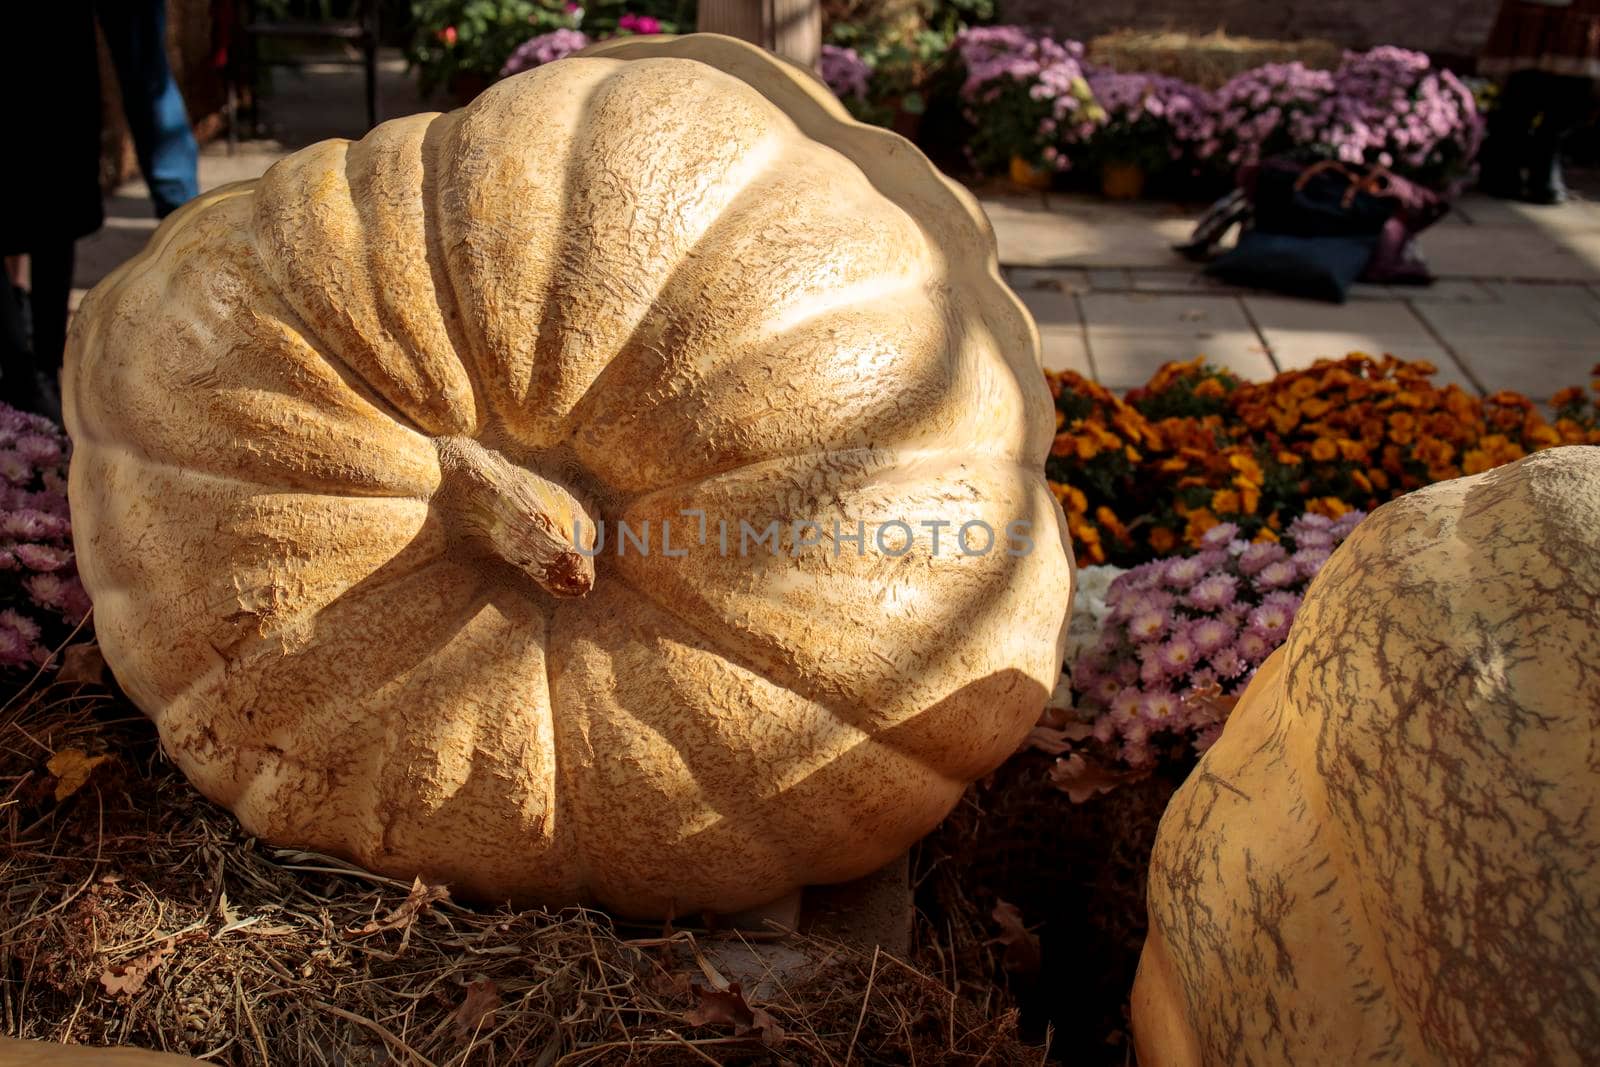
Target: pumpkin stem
(525, 519)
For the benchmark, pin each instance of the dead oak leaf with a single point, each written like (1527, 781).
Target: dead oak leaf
(82, 664)
(1056, 741)
(477, 1009)
(1022, 952)
(72, 768)
(417, 901)
(728, 1007)
(1081, 780)
(129, 977)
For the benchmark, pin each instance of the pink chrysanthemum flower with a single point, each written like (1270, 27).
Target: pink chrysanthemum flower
(1254, 647)
(1308, 561)
(1178, 655)
(1271, 622)
(1126, 705)
(1214, 592)
(38, 449)
(1210, 635)
(14, 468)
(1314, 538)
(1220, 536)
(1228, 663)
(1207, 736)
(1161, 706)
(47, 590)
(20, 623)
(1147, 626)
(1183, 571)
(1258, 557)
(15, 650)
(1276, 575)
(42, 557)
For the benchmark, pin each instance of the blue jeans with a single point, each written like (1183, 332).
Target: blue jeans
(136, 34)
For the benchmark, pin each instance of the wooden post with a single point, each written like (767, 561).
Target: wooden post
(791, 28)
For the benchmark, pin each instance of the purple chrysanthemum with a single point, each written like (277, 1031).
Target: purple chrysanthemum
(1214, 592)
(1276, 575)
(1210, 635)
(1260, 555)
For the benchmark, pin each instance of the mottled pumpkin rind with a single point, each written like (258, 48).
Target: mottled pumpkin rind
(1390, 853)
(678, 279)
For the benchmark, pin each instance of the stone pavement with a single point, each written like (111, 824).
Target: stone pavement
(1517, 306)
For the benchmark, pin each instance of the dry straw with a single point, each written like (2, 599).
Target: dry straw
(1207, 60)
(132, 911)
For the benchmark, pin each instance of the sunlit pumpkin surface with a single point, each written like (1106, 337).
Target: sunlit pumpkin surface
(333, 426)
(1391, 854)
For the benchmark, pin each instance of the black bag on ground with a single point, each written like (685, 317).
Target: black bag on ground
(1313, 230)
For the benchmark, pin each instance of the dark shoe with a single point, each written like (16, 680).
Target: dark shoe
(1546, 185)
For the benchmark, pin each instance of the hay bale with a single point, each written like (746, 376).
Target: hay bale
(1207, 60)
(134, 912)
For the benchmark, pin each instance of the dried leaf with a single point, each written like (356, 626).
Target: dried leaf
(1022, 944)
(1081, 780)
(130, 977)
(727, 1007)
(476, 1013)
(1056, 741)
(417, 901)
(71, 768)
(82, 664)
(1211, 702)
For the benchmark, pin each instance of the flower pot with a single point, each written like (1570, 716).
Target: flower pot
(1029, 175)
(1122, 181)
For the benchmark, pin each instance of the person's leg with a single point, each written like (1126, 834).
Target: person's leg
(1510, 126)
(1563, 103)
(51, 277)
(136, 34)
(17, 384)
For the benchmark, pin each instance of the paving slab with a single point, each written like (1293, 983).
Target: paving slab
(1543, 314)
(1062, 279)
(1051, 305)
(1381, 317)
(1481, 210)
(1060, 328)
(1446, 291)
(1537, 368)
(1065, 348)
(1124, 359)
(1164, 312)
(1300, 332)
(1508, 251)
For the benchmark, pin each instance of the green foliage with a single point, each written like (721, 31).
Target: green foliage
(906, 45)
(473, 38)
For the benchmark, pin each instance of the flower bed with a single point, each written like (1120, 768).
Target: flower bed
(41, 599)
(1144, 476)
(1387, 106)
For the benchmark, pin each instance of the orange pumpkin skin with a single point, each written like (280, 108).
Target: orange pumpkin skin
(333, 425)
(1391, 853)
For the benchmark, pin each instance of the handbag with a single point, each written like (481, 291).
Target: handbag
(1314, 229)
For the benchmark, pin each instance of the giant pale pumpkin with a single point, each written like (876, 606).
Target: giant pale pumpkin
(334, 427)
(1393, 852)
